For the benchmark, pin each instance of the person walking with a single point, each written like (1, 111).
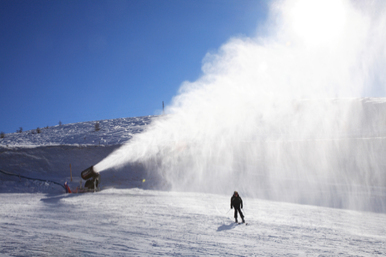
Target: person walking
(237, 203)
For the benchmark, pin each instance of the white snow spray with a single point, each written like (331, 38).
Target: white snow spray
(283, 116)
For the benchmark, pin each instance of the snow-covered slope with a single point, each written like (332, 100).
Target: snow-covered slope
(49, 154)
(134, 222)
(111, 132)
(38, 219)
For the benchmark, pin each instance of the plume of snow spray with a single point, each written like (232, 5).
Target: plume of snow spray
(282, 116)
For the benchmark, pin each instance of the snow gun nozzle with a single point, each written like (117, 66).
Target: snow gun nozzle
(89, 173)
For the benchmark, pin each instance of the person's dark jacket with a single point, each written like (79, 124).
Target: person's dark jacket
(236, 202)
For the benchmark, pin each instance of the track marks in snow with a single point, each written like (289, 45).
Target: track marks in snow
(143, 222)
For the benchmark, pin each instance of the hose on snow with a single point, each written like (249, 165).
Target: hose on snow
(21, 176)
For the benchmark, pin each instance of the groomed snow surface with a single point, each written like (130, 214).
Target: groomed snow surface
(136, 222)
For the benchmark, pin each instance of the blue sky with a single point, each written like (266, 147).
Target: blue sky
(74, 61)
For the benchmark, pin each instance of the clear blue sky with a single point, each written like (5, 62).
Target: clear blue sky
(74, 61)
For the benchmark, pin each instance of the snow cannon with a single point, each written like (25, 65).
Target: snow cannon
(92, 178)
(89, 173)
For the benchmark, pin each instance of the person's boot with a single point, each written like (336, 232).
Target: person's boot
(236, 220)
(243, 220)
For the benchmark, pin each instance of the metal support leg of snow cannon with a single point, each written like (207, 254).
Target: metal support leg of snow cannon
(95, 184)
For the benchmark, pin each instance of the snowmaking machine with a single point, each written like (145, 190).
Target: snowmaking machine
(92, 178)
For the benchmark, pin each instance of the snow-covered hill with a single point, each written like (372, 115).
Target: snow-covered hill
(127, 219)
(338, 163)
(49, 154)
(111, 132)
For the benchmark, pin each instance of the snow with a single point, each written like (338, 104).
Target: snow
(136, 222)
(132, 217)
(112, 132)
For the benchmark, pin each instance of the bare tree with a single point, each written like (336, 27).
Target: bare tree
(97, 126)
(38, 130)
(2, 134)
(20, 130)
(60, 123)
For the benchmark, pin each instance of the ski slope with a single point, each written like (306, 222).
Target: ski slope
(136, 222)
(131, 217)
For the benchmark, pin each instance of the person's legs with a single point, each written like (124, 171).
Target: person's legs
(241, 214)
(235, 214)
